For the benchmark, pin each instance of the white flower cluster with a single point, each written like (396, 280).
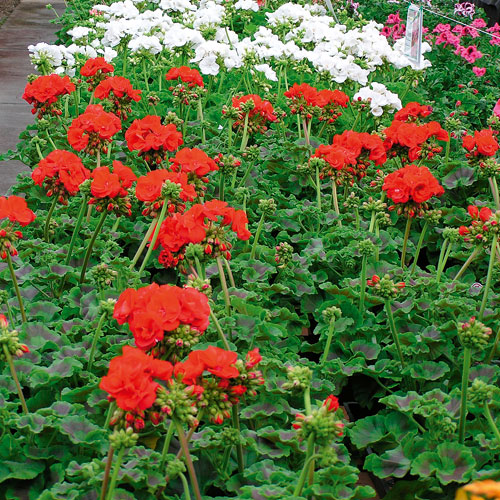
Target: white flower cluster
(293, 33)
(380, 99)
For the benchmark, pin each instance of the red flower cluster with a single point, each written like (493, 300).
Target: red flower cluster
(187, 75)
(93, 129)
(95, 70)
(258, 115)
(197, 225)
(478, 230)
(413, 185)
(149, 190)
(44, 93)
(235, 379)
(410, 141)
(375, 280)
(308, 101)
(119, 91)
(15, 209)
(61, 172)
(412, 111)
(350, 154)
(130, 379)
(109, 188)
(482, 143)
(154, 310)
(196, 164)
(152, 139)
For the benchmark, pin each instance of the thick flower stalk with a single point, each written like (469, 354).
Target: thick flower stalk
(330, 315)
(267, 209)
(387, 290)
(366, 249)
(473, 335)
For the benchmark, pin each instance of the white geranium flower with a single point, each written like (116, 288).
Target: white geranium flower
(144, 43)
(208, 65)
(79, 32)
(269, 73)
(246, 5)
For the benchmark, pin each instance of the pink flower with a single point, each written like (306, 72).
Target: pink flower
(479, 71)
(479, 23)
(470, 53)
(496, 109)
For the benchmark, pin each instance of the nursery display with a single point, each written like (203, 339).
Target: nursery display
(254, 254)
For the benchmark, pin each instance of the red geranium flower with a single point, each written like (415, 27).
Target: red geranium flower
(412, 184)
(152, 139)
(45, 91)
(193, 161)
(130, 379)
(120, 92)
(149, 186)
(412, 111)
(92, 66)
(190, 76)
(153, 310)
(483, 143)
(62, 172)
(93, 129)
(16, 209)
(303, 94)
(110, 184)
(331, 403)
(258, 117)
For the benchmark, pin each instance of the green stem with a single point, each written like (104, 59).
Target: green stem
(467, 263)
(440, 264)
(97, 334)
(109, 414)
(187, 456)
(307, 400)
(144, 71)
(494, 348)
(47, 220)
(392, 326)
(362, 293)
(405, 241)
(239, 447)
(229, 273)
(318, 189)
(91, 245)
(331, 329)
(487, 286)
(200, 117)
(76, 230)
(356, 215)
(305, 469)
(447, 153)
(257, 236)
(223, 284)
(419, 246)
(16, 287)
(244, 139)
(107, 470)
(494, 191)
(246, 174)
(491, 421)
(358, 116)
(155, 236)
(115, 225)
(219, 330)
(10, 362)
(39, 151)
(114, 477)
(372, 221)
(143, 244)
(463, 398)
(185, 485)
(9, 314)
(222, 178)
(229, 134)
(166, 444)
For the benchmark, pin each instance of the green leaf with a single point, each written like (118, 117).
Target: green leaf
(26, 469)
(429, 370)
(81, 430)
(392, 463)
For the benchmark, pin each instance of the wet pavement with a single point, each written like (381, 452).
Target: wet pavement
(28, 24)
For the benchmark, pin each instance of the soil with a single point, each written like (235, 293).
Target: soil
(6, 7)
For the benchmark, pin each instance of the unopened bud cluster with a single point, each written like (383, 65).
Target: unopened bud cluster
(331, 313)
(480, 393)
(103, 276)
(8, 237)
(123, 438)
(267, 207)
(227, 163)
(384, 287)
(474, 334)
(299, 378)
(366, 248)
(283, 254)
(10, 339)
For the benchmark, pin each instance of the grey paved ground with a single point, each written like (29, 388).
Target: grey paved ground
(28, 24)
